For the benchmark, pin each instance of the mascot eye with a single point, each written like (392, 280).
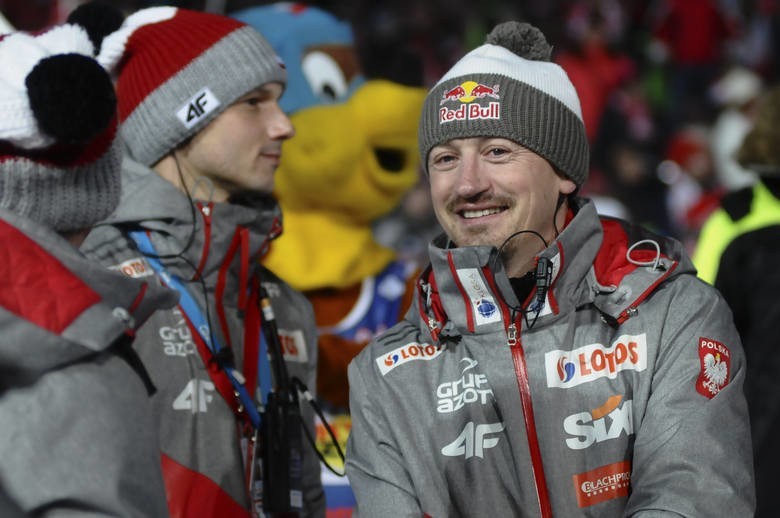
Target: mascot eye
(324, 76)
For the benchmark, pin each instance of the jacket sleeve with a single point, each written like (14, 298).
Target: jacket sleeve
(374, 466)
(692, 455)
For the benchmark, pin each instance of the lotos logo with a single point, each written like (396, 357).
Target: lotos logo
(609, 421)
(409, 352)
(567, 369)
(465, 93)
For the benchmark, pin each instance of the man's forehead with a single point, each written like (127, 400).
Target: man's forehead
(478, 141)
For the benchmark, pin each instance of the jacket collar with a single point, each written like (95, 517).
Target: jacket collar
(590, 263)
(149, 202)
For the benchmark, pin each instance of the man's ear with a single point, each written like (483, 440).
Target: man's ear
(567, 186)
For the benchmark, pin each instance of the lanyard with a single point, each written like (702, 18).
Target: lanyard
(190, 307)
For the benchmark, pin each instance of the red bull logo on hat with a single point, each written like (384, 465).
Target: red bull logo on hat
(465, 93)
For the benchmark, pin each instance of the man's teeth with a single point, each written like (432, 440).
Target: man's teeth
(468, 214)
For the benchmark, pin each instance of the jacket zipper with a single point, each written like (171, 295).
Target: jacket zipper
(521, 373)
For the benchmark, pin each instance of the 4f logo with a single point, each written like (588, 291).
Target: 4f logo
(201, 104)
(195, 397)
(474, 440)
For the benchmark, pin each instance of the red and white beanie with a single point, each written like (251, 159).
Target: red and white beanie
(178, 69)
(59, 158)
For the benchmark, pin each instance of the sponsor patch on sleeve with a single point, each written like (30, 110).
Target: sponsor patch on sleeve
(407, 353)
(293, 345)
(715, 367)
(602, 484)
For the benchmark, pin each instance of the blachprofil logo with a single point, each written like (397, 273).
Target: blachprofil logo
(602, 484)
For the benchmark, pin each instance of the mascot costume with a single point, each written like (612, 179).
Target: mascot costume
(351, 161)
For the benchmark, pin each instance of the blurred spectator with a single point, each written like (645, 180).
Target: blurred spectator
(739, 251)
(693, 193)
(592, 63)
(736, 93)
(693, 33)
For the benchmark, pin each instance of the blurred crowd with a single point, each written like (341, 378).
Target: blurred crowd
(668, 87)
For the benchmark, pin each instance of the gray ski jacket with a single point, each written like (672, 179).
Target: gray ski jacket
(203, 426)
(77, 437)
(623, 397)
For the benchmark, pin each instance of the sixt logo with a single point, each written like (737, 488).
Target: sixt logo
(608, 421)
(465, 93)
(567, 369)
(409, 352)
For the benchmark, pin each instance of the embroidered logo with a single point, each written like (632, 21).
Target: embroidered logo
(715, 361)
(602, 484)
(197, 107)
(466, 93)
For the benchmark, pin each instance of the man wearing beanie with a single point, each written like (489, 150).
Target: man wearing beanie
(77, 436)
(738, 253)
(198, 108)
(555, 363)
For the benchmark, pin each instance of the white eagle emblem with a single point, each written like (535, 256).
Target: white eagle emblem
(716, 371)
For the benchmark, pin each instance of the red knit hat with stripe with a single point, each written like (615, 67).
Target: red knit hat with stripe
(178, 70)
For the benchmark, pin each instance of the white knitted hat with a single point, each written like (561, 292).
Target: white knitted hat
(509, 88)
(59, 158)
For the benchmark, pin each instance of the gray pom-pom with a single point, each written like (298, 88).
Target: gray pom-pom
(523, 39)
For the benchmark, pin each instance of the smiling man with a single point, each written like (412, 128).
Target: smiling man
(555, 363)
(198, 98)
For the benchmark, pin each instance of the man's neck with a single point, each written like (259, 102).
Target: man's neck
(199, 188)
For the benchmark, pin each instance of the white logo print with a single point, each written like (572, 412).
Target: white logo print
(470, 388)
(609, 421)
(474, 440)
(195, 397)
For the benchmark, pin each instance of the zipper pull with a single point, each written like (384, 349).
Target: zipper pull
(511, 335)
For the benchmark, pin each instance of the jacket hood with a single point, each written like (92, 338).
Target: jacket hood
(595, 260)
(57, 307)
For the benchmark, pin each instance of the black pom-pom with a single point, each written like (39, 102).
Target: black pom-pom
(72, 97)
(523, 39)
(99, 19)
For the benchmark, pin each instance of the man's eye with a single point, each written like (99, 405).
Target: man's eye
(497, 151)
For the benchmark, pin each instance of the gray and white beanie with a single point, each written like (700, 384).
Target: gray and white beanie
(509, 88)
